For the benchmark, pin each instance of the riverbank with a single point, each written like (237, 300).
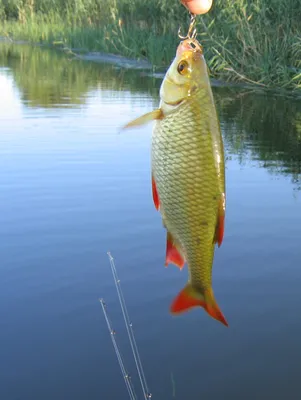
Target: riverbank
(143, 67)
(256, 43)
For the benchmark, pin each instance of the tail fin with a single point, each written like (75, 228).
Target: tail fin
(190, 297)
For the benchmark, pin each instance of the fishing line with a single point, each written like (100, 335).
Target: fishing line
(130, 331)
(125, 375)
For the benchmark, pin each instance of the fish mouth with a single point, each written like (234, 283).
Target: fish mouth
(189, 45)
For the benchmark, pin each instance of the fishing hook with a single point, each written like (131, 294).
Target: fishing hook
(191, 34)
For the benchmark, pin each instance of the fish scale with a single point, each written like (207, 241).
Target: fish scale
(182, 154)
(188, 174)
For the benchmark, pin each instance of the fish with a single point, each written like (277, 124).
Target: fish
(188, 174)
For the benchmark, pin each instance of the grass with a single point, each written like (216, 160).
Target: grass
(256, 124)
(257, 42)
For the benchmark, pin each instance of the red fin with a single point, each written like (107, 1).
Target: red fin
(212, 308)
(189, 298)
(173, 254)
(185, 301)
(220, 226)
(155, 194)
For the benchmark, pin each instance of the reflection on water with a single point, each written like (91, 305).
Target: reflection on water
(267, 127)
(51, 79)
(72, 188)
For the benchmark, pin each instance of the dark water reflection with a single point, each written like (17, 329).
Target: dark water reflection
(265, 126)
(51, 79)
(73, 188)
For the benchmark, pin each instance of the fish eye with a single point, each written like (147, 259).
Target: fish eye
(182, 67)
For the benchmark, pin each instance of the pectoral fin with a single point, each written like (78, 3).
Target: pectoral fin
(220, 225)
(144, 119)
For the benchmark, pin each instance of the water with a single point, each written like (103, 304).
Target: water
(73, 187)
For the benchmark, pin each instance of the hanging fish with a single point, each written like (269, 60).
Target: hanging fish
(188, 174)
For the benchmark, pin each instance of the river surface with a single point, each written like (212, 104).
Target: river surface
(73, 187)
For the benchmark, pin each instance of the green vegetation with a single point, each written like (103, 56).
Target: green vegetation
(49, 79)
(260, 126)
(255, 41)
(265, 127)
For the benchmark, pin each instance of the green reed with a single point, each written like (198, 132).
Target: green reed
(258, 42)
(256, 124)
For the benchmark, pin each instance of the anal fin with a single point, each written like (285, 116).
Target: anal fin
(220, 224)
(173, 253)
